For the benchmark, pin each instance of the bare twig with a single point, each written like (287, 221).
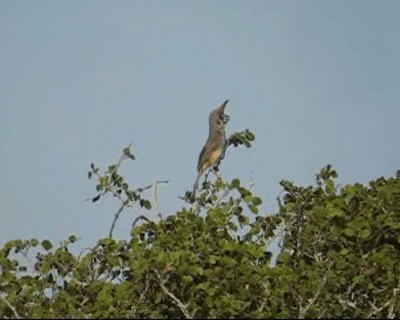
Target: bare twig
(127, 202)
(124, 204)
(226, 192)
(155, 198)
(251, 182)
(14, 311)
(376, 310)
(303, 310)
(141, 217)
(178, 302)
(142, 296)
(391, 314)
(82, 251)
(147, 286)
(151, 185)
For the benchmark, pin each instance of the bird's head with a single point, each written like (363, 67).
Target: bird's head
(219, 116)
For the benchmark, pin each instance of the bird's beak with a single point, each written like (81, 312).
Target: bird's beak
(225, 117)
(222, 106)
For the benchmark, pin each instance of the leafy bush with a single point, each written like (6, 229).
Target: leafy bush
(339, 256)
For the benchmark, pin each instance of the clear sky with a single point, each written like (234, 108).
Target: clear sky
(317, 81)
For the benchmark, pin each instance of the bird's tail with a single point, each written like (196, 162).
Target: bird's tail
(196, 185)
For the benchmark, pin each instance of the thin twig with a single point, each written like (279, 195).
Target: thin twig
(304, 310)
(117, 216)
(150, 185)
(172, 296)
(376, 309)
(226, 192)
(82, 251)
(251, 182)
(16, 315)
(155, 198)
(141, 217)
(127, 202)
(142, 296)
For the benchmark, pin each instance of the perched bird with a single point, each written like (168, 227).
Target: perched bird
(215, 146)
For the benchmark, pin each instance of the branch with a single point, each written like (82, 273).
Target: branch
(142, 296)
(116, 217)
(141, 217)
(376, 310)
(304, 310)
(226, 192)
(151, 185)
(128, 201)
(172, 296)
(16, 315)
(155, 199)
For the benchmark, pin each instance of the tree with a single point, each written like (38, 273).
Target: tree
(339, 255)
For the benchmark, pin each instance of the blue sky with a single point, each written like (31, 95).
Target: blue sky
(318, 82)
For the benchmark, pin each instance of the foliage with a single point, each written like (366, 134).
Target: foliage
(339, 256)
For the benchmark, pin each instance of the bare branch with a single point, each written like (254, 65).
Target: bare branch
(142, 296)
(376, 310)
(226, 192)
(178, 302)
(391, 312)
(251, 182)
(151, 185)
(116, 217)
(303, 310)
(14, 311)
(155, 198)
(127, 202)
(141, 217)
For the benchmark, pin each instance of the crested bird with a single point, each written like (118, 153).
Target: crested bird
(215, 146)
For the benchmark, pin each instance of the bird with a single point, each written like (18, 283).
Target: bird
(214, 148)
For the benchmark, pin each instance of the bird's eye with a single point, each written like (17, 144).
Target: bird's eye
(225, 118)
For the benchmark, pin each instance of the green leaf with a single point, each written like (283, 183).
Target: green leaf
(219, 184)
(47, 245)
(200, 271)
(334, 212)
(22, 269)
(248, 199)
(145, 203)
(187, 279)
(349, 232)
(243, 219)
(365, 233)
(106, 241)
(329, 186)
(96, 198)
(103, 181)
(127, 152)
(244, 192)
(235, 183)
(284, 257)
(253, 208)
(112, 168)
(250, 136)
(212, 259)
(256, 201)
